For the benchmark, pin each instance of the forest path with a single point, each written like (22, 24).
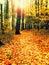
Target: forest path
(28, 48)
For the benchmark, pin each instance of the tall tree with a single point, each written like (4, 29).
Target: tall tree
(13, 20)
(22, 12)
(18, 20)
(41, 6)
(6, 9)
(1, 13)
(46, 7)
(13, 15)
(36, 7)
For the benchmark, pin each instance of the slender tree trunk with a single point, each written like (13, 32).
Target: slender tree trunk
(46, 7)
(41, 7)
(23, 22)
(2, 28)
(13, 22)
(6, 10)
(36, 6)
(13, 16)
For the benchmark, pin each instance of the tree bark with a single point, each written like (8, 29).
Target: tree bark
(18, 25)
(23, 22)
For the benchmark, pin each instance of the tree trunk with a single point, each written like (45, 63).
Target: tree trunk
(22, 22)
(7, 10)
(46, 7)
(18, 25)
(13, 20)
(38, 7)
(2, 28)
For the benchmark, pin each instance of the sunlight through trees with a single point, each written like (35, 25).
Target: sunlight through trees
(37, 9)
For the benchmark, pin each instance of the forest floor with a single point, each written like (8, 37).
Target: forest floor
(31, 47)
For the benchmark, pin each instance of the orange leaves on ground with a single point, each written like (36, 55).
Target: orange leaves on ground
(30, 47)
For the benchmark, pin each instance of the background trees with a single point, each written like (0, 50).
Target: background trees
(37, 9)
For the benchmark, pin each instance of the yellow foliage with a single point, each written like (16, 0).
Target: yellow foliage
(14, 64)
(6, 22)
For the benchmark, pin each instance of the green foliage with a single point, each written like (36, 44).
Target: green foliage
(8, 54)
